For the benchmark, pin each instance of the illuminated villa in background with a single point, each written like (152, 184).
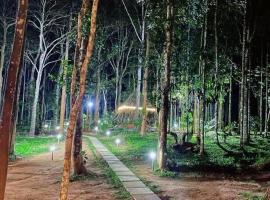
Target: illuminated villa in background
(125, 108)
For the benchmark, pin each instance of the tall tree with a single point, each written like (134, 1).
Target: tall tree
(164, 108)
(145, 84)
(7, 120)
(75, 108)
(44, 20)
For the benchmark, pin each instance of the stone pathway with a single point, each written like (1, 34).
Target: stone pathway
(131, 182)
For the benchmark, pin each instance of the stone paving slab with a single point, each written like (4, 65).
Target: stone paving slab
(145, 197)
(134, 184)
(128, 178)
(134, 191)
(131, 182)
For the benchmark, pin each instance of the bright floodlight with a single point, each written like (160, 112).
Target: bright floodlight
(57, 128)
(90, 104)
(96, 128)
(117, 141)
(108, 132)
(152, 155)
(52, 148)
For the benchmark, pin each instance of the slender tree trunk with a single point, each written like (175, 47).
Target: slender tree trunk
(78, 160)
(64, 87)
(77, 104)
(164, 109)
(203, 86)
(2, 59)
(35, 103)
(230, 97)
(97, 100)
(216, 74)
(261, 94)
(7, 118)
(78, 163)
(266, 98)
(105, 109)
(242, 92)
(145, 86)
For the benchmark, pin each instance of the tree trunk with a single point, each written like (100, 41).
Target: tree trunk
(203, 85)
(2, 59)
(97, 100)
(57, 97)
(77, 104)
(64, 88)
(230, 97)
(105, 109)
(145, 87)
(266, 98)
(7, 118)
(261, 94)
(243, 70)
(164, 109)
(35, 104)
(216, 74)
(78, 160)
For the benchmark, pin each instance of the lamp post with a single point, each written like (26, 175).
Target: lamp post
(108, 132)
(59, 136)
(152, 156)
(52, 149)
(117, 142)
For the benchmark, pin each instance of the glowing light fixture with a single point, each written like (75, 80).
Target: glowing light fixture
(117, 142)
(52, 149)
(108, 132)
(152, 156)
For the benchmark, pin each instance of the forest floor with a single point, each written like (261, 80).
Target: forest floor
(38, 178)
(192, 185)
(207, 186)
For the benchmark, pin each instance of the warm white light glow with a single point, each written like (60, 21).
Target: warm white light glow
(108, 133)
(152, 155)
(133, 108)
(117, 141)
(90, 104)
(52, 148)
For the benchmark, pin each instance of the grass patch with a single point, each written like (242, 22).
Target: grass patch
(112, 178)
(134, 148)
(251, 196)
(88, 176)
(29, 146)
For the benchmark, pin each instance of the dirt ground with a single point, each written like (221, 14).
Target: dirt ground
(38, 178)
(191, 186)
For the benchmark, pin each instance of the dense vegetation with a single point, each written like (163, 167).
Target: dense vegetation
(189, 79)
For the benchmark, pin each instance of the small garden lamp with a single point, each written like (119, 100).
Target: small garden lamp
(117, 142)
(52, 149)
(90, 104)
(108, 132)
(59, 136)
(152, 156)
